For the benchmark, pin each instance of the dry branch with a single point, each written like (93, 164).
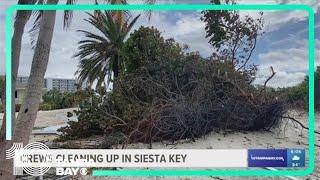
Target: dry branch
(303, 126)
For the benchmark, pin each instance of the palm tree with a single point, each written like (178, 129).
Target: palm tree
(100, 54)
(26, 118)
(19, 25)
(21, 19)
(29, 108)
(121, 15)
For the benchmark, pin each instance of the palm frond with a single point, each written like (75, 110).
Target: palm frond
(149, 12)
(132, 23)
(37, 14)
(68, 15)
(34, 31)
(99, 54)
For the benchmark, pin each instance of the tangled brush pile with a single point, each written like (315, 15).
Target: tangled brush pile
(190, 98)
(179, 99)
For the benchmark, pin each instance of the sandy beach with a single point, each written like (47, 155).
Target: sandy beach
(47, 119)
(287, 135)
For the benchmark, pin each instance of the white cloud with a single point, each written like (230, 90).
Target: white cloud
(281, 79)
(277, 19)
(293, 59)
(290, 65)
(187, 29)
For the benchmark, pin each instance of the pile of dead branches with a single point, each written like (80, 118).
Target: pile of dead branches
(179, 99)
(193, 98)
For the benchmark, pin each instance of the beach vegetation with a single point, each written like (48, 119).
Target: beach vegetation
(55, 99)
(166, 93)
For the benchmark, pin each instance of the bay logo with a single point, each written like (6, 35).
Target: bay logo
(71, 171)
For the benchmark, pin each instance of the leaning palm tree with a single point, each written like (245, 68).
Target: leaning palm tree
(28, 112)
(100, 54)
(26, 118)
(21, 19)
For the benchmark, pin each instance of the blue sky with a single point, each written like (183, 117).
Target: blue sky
(283, 46)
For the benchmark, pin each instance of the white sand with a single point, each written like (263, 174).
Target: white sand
(49, 118)
(45, 119)
(288, 135)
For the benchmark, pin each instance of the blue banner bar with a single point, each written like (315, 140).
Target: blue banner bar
(267, 158)
(276, 158)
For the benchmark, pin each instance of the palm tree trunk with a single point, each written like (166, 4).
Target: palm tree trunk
(19, 25)
(29, 109)
(116, 72)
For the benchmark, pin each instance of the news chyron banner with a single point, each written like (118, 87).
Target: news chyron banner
(37, 159)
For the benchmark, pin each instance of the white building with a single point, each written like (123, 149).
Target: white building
(62, 85)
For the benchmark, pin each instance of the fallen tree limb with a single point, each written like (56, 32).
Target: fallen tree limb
(293, 119)
(308, 144)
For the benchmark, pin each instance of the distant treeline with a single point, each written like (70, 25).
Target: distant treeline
(297, 96)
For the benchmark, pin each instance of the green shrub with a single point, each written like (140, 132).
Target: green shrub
(54, 99)
(88, 124)
(147, 45)
(298, 96)
(46, 107)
